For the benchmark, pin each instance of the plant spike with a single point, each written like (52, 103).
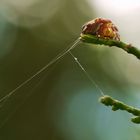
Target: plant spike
(87, 38)
(117, 105)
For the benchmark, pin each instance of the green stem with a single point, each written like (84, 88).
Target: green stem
(107, 100)
(96, 40)
(116, 105)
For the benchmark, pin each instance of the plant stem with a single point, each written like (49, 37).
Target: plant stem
(107, 100)
(87, 38)
(116, 105)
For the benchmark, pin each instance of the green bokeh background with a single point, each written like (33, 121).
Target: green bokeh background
(61, 103)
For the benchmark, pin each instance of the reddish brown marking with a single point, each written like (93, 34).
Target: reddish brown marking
(103, 28)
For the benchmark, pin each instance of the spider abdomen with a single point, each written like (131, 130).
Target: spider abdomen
(102, 28)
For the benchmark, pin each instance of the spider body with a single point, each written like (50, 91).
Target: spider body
(102, 28)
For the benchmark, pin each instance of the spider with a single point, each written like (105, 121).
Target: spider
(102, 28)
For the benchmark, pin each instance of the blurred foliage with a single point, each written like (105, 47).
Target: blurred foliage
(60, 103)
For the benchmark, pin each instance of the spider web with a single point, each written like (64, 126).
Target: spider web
(8, 97)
